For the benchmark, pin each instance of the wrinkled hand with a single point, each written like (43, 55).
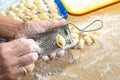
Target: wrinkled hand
(36, 27)
(17, 54)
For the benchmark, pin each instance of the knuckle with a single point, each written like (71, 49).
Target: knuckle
(19, 61)
(30, 67)
(27, 47)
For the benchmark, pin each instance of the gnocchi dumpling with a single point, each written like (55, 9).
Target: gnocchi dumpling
(21, 5)
(26, 18)
(33, 11)
(75, 41)
(43, 9)
(53, 10)
(49, 1)
(21, 15)
(29, 5)
(75, 35)
(93, 37)
(52, 5)
(60, 41)
(35, 17)
(55, 16)
(81, 43)
(43, 16)
(14, 9)
(27, 11)
(88, 40)
(11, 14)
(3, 13)
(17, 18)
(38, 2)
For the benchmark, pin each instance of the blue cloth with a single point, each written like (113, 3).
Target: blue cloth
(2, 41)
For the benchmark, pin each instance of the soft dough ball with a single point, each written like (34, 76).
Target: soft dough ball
(55, 16)
(11, 14)
(43, 16)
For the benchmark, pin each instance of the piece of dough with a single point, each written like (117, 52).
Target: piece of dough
(17, 18)
(49, 1)
(81, 43)
(93, 37)
(35, 17)
(42, 8)
(75, 35)
(75, 41)
(75, 30)
(11, 14)
(55, 16)
(14, 9)
(43, 16)
(53, 10)
(60, 41)
(21, 15)
(3, 13)
(88, 40)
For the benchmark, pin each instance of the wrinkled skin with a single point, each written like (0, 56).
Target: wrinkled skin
(23, 52)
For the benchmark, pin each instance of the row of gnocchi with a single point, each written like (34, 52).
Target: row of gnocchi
(79, 40)
(34, 10)
(86, 38)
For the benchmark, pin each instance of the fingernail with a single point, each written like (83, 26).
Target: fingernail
(53, 55)
(45, 58)
(61, 53)
(35, 47)
(35, 56)
(63, 20)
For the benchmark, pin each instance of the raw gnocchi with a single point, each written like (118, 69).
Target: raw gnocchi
(3, 13)
(93, 37)
(85, 38)
(88, 40)
(54, 16)
(81, 43)
(17, 18)
(11, 14)
(43, 16)
(60, 41)
(27, 9)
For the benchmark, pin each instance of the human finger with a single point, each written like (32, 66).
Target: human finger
(28, 47)
(27, 59)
